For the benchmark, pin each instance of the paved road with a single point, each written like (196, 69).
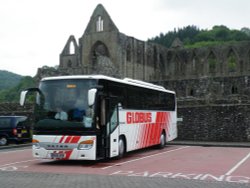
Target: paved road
(174, 166)
(41, 180)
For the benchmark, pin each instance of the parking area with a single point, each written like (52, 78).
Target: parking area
(221, 164)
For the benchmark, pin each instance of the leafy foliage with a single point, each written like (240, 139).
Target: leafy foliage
(13, 94)
(246, 31)
(232, 63)
(193, 37)
(8, 79)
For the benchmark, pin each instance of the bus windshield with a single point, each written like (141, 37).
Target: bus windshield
(65, 100)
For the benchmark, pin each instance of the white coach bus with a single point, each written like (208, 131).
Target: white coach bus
(95, 117)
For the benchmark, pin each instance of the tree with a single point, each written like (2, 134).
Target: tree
(246, 30)
(192, 36)
(13, 94)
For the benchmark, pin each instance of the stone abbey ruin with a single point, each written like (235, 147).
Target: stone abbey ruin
(212, 83)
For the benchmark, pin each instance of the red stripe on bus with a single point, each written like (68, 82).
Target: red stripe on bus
(68, 154)
(60, 141)
(148, 134)
(141, 136)
(68, 139)
(144, 134)
(75, 139)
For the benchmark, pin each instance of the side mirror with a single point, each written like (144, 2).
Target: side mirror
(24, 94)
(23, 97)
(91, 96)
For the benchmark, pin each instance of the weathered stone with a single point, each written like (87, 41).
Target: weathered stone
(212, 83)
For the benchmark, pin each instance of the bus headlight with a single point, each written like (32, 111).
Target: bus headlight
(36, 143)
(86, 144)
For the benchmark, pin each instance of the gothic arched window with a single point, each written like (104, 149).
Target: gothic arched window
(232, 62)
(99, 24)
(212, 63)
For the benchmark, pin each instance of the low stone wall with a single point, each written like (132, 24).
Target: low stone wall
(201, 121)
(15, 109)
(218, 122)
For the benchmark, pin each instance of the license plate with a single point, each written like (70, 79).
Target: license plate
(57, 155)
(24, 131)
(19, 135)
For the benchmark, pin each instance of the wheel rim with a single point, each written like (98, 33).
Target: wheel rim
(121, 147)
(162, 140)
(3, 141)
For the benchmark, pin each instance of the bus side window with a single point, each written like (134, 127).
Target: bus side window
(103, 112)
(114, 120)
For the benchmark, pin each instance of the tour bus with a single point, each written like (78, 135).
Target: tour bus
(91, 117)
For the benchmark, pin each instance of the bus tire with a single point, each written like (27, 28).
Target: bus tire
(122, 147)
(162, 141)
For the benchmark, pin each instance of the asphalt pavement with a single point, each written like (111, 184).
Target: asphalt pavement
(41, 180)
(176, 142)
(206, 143)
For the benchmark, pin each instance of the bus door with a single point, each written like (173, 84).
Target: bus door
(114, 132)
(110, 129)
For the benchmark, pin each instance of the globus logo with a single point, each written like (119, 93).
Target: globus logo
(138, 117)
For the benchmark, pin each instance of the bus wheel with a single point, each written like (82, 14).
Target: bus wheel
(162, 141)
(3, 141)
(121, 148)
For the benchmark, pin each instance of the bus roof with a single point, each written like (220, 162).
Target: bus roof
(127, 81)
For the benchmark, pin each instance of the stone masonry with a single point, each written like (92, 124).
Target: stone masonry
(212, 83)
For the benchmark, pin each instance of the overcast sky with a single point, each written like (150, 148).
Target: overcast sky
(34, 32)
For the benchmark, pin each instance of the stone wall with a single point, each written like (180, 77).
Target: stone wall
(210, 89)
(218, 122)
(221, 121)
(15, 109)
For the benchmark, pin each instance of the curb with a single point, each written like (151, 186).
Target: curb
(211, 144)
(187, 143)
(15, 146)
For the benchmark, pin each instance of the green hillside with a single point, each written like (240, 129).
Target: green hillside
(12, 93)
(8, 79)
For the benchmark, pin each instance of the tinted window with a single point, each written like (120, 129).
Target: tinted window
(136, 98)
(133, 97)
(142, 98)
(21, 121)
(5, 122)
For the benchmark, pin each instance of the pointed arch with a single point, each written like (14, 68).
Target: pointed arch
(99, 49)
(99, 24)
(212, 62)
(162, 64)
(232, 61)
(100, 61)
(155, 57)
(71, 47)
(248, 61)
(128, 53)
(180, 60)
(178, 65)
(69, 58)
(194, 63)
